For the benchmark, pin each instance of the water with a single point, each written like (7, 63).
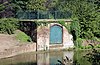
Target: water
(47, 58)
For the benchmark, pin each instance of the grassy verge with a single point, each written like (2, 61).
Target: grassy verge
(22, 37)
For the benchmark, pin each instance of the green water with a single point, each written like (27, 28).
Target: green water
(47, 58)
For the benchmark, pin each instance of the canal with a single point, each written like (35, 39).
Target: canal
(47, 58)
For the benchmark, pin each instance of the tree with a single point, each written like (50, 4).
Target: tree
(87, 12)
(6, 9)
(19, 4)
(2, 7)
(51, 5)
(36, 5)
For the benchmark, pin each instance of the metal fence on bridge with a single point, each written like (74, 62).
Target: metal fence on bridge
(43, 15)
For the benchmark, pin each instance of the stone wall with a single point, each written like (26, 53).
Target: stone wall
(43, 38)
(40, 35)
(67, 38)
(18, 50)
(87, 42)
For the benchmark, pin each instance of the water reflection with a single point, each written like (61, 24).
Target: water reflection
(26, 63)
(38, 59)
(43, 59)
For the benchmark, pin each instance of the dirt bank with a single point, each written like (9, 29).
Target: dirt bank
(9, 46)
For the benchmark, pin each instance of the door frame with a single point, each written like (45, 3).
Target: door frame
(56, 24)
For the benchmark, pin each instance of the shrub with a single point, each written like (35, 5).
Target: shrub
(88, 35)
(79, 42)
(8, 25)
(88, 47)
(67, 26)
(75, 29)
(22, 37)
(97, 46)
(96, 39)
(93, 57)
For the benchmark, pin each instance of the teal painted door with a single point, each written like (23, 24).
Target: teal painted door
(55, 34)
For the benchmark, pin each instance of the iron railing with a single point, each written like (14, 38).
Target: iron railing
(43, 15)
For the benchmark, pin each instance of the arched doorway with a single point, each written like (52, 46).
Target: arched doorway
(56, 34)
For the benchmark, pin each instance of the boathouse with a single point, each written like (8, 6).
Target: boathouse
(47, 32)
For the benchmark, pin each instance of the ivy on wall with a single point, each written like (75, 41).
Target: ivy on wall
(67, 26)
(42, 23)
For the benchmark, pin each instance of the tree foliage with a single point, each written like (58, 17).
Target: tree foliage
(8, 25)
(75, 28)
(36, 5)
(19, 4)
(1, 7)
(88, 14)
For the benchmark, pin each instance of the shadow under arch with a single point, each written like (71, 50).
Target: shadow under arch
(30, 28)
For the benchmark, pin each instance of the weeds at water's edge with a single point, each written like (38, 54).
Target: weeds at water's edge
(69, 49)
(87, 47)
(93, 57)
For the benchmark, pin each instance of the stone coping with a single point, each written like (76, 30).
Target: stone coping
(45, 20)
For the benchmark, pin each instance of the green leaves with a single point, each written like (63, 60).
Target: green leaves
(36, 5)
(22, 37)
(8, 25)
(75, 29)
(86, 11)
(19, 4)
(2, 7)
(67, 26)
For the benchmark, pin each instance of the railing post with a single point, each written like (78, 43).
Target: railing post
(55, 14)
(38, 14)
(29, 14)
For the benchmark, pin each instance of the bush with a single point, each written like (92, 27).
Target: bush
(75, 29)
(93, 57)
(88, 47)
(95, 39)
(8, 25)
(22, 37)
(67, 26)
(97, 46)
(88, 35)
(79, 42)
